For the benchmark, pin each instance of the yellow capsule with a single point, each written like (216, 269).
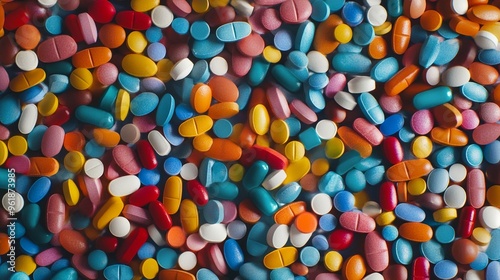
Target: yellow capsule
(70, 192)
(172, 194)
(281, 257)
(195, 126)
(26, 264)
(4, 152)
(493, 195)
(200, 6)
(48, 105)
(164, 66)
(421, 147)
(271, 54)
(136, 42)
(17, 145)
(262, 140)
(481, 236)
(139, 65)
(343, 33)
(122, 105)
(320, 167)
(25, 80)
(149, 268)
(74, 161)
(189, 216)
(143, 5)
(294, 151)
(218, 3)
(416, 186)
(279, 131)
(334, 148)
(236, 172)
(296, 170)
(259, 119)
(111, 209)
(203, 142)
(444, 215)
(81, 78)
(383, 29)
(385, 218)
(333, 261)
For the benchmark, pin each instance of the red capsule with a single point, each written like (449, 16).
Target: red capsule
(144, 196)
(388, 196)
(147, 155)
(160, 216)
(466, 222)
(131, 245)
(74, 98)
(274, 159)
(340, 239)
(102, 11)
(106, 243)
(133, 20)
(9, 50)
(393, 150)
(60, 117)
(74, 28)
(421, 269)
(198, 192)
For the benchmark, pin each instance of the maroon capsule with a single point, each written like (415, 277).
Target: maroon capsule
(131, 245)
(144, 195)
(396, 272)
(340, 239)
(106, 243)
(59, 117)
(388, 196)
(466, 222)
(431, 201)
(393, 150)
(198, 192)
(133, 20)
(160, 216)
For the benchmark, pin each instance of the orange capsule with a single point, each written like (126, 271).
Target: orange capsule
(354, 268)
(417, 232)
(378, 48)
(401, 34)
(177, 274)
(247, 137)
(447, 115)
(409, 170)
(483, 14)
(106, 137)
(91, 57)
(449, 136)
(223, 110)
(482, 73)
(463, 26)
(201, 97)
(287, 214)
(354, 141)
(324, 40)
(43, 166)
(402, 80)
(224, 150)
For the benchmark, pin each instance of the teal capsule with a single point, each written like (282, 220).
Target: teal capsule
(285, 78)
(68, 273)
(223, 190)
(402, 251)
(363, 34)
(165, 110)
(212, 171)
(310, 138)
(288, 193)
(433, 97)
(367, 163)
(429, 51)
(60, 67)
(118, 271)
(208, 48)
(349, 48)
(30, 215)
(301, 74)
(384, 69)
(283, 273)
(445, 157)
(108, 99)
(233, 31)
(305, 36)
(315, 100)
(394, 8)
(245, 91)
(263, 200)
(370, 108)
(255, 175)
(351, 63)
(129, 83)
(474, 92)
(258, 71)
(200, 72)
(39, 235)
(493, 250)
(94, 116)
(432, 251)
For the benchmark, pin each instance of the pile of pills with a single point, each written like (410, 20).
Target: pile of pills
(263, 139)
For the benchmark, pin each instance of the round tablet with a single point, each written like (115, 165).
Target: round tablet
(328, 222)
(172, 166)
(26, 60)
(218, 66)
(166, 258)
(161, 16)
(321, 203)
(277, 235)
(455, 196)
(189, 171)
(488, 216)
(200, 30)
(12, 202)
(94, 168)
(119, 227)
(187, 260)
(326, 129)
(222, 128)
(444, 234)
(457, 172)
(376, 15)
(236, 229)
(130, 133)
